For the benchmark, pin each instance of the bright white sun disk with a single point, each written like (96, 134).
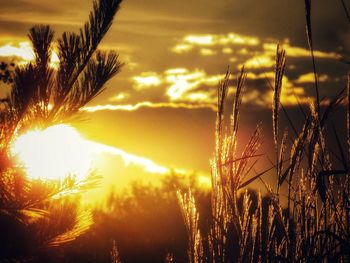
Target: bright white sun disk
(53, 153)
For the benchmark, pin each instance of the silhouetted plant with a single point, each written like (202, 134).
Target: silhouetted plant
(144, 222)
(310, 222)
(36, 214)
(6, 72)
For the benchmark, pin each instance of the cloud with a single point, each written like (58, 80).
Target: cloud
(193, 89)
(263, 49)
(119, 97)
(148, 165)
(291, 94)
(188, 86)
(310, 78)
(266, 57)
(156, 32)
(223, 40)
(182, 48)
(190, 42)
(197, 90)
(251, 51)
(119, 169)
(181, 84)
(259, 61)
(147, 104)
(258, 76)
(298, 52)
(207, 52)
(24, 52)
(147, 80)
(227, 50)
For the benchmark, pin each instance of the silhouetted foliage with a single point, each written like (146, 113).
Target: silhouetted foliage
(305, 219)
(34, 214)
(306, 222)
(145, 224)
(6, 72)
(142, 223)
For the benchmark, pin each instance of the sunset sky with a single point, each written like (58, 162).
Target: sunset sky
(161, 107)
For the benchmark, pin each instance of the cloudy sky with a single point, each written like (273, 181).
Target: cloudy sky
(162, 105)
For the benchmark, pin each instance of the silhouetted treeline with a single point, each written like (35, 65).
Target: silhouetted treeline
(146, 223)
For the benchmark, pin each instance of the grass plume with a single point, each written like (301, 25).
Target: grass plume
(307, 219)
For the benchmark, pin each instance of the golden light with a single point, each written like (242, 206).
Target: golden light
(147, 80)
(24, 51)
(53, 153)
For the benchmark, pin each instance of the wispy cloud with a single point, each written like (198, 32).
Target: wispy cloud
(147, 80)
(310, 78)
(195, 89)
(266, 57)
(189, 42)
(297, 52)
(147, 104)
(119, 97)
(251, 51)
(259, 61)
(148, 165)
(291, 95)
(23, 51)
(181, 84)
(208, 52)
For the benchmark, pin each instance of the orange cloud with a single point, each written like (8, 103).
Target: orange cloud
(207, 52)
(293, 51)
(189, 42)
(24, 52)
(266, 58)
(119, 97)
(149, 165)
(259, 61)
(147, 104)
(181, 84)
(147, 80)
(310, 78)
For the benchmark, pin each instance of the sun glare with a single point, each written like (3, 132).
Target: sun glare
(53, 153)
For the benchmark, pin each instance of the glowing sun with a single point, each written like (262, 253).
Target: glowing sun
(53, 153)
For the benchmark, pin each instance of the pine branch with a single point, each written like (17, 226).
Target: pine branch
(99, 70)
(76, 50)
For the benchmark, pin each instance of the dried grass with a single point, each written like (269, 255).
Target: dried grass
(307, 222)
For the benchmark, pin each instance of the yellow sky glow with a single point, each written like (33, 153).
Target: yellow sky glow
(53, 153)
(148, 104)
(24, 51)
(173, 66)
(59, 151)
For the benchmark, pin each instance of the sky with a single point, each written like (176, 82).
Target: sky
(161, 107)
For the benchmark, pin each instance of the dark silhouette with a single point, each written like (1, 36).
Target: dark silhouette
(35, 215)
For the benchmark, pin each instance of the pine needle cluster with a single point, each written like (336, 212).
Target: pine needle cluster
(36, 214)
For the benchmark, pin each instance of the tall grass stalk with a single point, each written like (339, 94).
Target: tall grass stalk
(307, 218)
